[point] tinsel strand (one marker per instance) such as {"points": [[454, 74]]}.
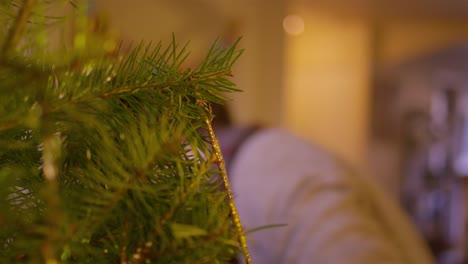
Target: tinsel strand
{"points": [[222, 168]]}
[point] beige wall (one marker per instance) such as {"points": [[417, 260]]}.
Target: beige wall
{"points": [[409, 38], [327, 84]]}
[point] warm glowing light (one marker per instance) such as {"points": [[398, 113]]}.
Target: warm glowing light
{"points": [[293, 25]]}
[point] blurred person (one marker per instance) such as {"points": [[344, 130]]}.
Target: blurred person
{"points": [[332, 214]]}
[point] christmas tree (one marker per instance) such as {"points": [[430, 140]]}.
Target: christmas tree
{"points": [[101, 159]]}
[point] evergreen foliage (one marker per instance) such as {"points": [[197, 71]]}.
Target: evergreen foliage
{"points": [[100, 158]]}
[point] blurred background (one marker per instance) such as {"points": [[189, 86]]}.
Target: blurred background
{"points": [[380, 83]]}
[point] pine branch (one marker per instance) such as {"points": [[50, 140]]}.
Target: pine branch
{"points": [[187, 80], [102, 156], [18, 27]]}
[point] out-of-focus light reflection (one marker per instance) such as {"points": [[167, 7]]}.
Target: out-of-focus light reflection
{"points": [[293, 25]]}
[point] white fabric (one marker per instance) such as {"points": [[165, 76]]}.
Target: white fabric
{"points": [[332, 215]]}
